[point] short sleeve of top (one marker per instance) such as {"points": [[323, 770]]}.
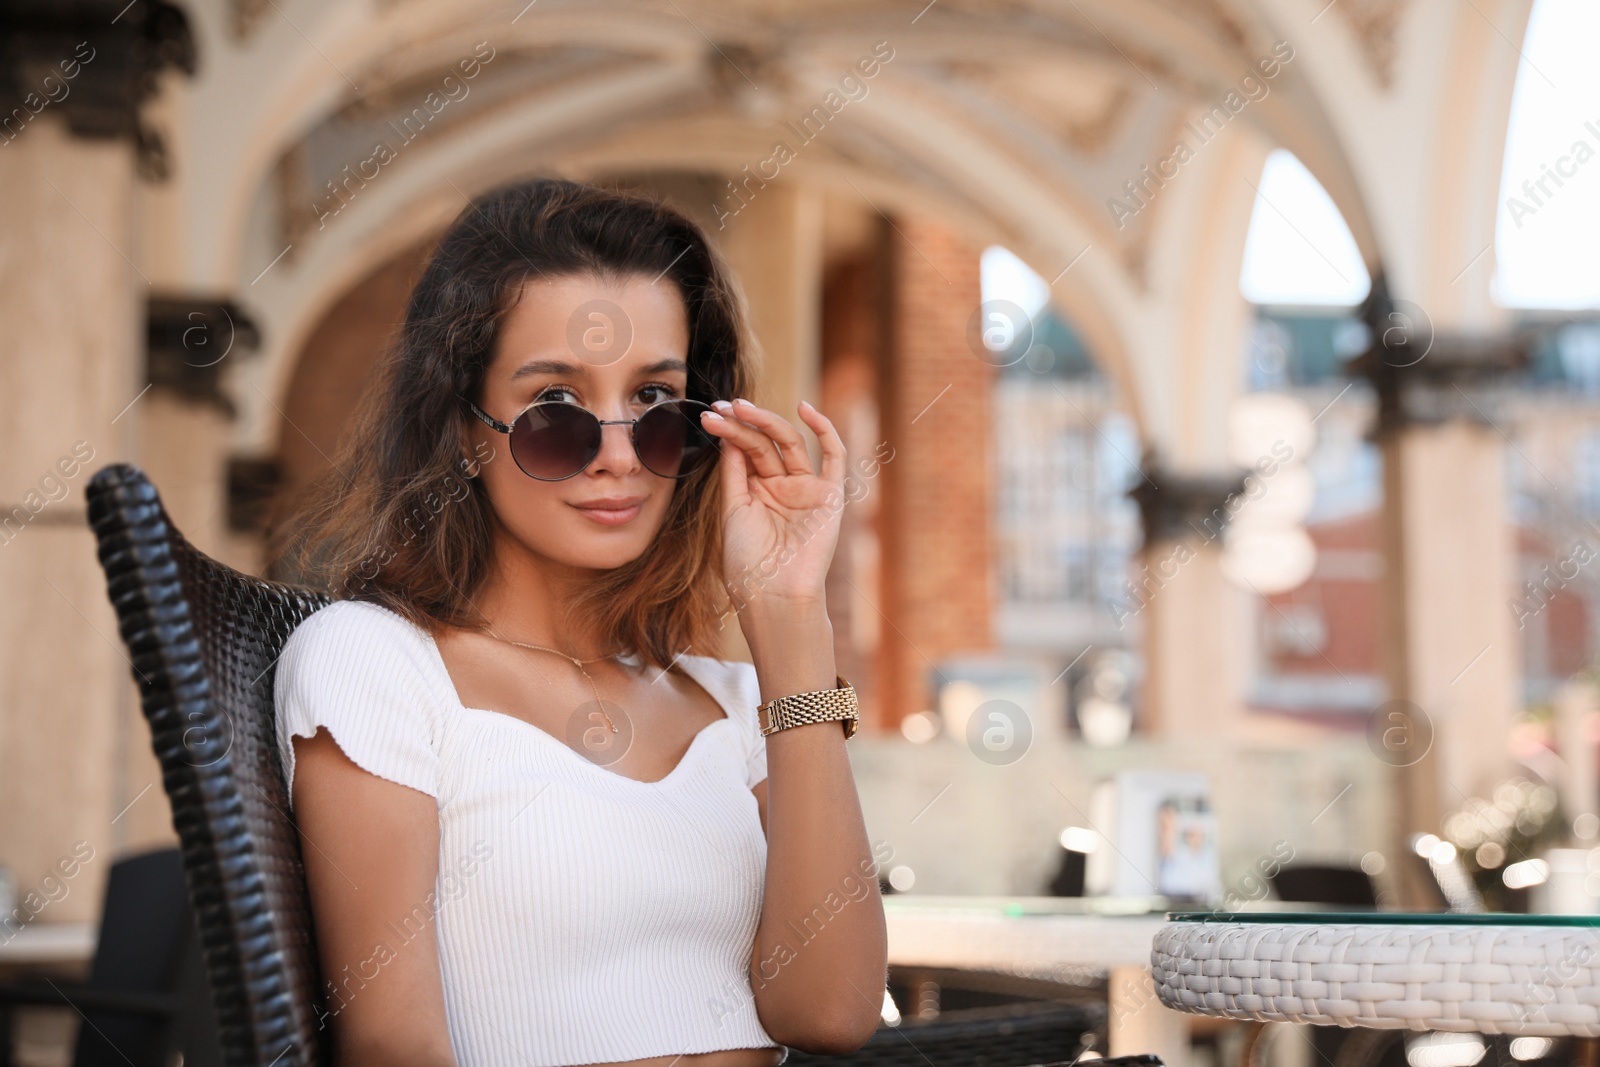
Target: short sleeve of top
{"points": [[364, 673], [747, 696]]}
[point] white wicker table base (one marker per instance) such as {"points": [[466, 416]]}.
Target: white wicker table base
{"points": [[1525, 980]]}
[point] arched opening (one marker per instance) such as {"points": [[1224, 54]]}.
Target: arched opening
{"points": [[332, 369], [1546, 229], [1299, 250], [1311, 646], [1549, 222]]}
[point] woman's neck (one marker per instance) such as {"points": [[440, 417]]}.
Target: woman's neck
{"points": [[525, 599]]}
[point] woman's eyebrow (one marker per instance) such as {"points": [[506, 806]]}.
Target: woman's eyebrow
{"points": [[577, 370]]}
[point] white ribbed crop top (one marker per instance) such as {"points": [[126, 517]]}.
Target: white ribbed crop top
{"points": [[582, 916]]}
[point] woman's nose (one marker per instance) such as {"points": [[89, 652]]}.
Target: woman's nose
{"points": [[617, 453]]}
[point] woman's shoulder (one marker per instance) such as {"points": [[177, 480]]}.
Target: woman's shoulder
{"points": [[356, 637], [373, 679], [355, 620]]}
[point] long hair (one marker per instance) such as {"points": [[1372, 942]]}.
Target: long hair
{"points": [[397, 521]]}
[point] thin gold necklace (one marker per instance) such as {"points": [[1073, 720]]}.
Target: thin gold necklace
{"points": [[578, 663]]}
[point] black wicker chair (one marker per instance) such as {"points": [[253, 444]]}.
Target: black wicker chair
{"points": [[1317, 883], [203, 640], [1000, 1036]]}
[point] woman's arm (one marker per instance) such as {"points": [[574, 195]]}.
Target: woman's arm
{"points": [[371, 850], [821, 953], [820, 959]]}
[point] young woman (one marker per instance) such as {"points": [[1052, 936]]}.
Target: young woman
{"points": [[541, 823]]}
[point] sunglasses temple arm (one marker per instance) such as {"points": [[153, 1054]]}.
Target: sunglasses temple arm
{"points": [[492, 422]]}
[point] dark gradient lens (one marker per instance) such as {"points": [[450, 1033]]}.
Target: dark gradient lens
{"points": [[671, 441], [553, 441]]}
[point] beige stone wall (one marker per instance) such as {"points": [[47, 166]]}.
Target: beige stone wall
{"points": [[964, 826]]}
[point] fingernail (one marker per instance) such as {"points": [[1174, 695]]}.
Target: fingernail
{"points": [[714, 415], [742, 400], [720, 404]]}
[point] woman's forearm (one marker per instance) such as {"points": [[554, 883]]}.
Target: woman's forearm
{"points": [[821, 946]]}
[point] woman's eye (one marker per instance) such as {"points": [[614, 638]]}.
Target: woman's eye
{"points": [[649, 394]]}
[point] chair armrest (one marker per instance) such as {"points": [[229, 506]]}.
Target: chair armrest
{"points": [[86, 998]]}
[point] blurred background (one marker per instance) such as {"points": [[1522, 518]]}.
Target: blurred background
{"points": [[1221, 380]]}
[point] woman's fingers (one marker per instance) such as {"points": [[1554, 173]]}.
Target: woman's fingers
{"points": [[773, 446], [734, 463], [746, 451], [788, 439], [833, 450]]}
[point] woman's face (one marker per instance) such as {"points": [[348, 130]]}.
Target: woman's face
{"points": [[616, 348]]}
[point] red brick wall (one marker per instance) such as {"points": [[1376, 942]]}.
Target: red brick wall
{"points": [[1348, 604], [937, 545]]}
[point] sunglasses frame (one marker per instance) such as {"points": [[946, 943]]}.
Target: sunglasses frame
{"points": [[507, 427]]}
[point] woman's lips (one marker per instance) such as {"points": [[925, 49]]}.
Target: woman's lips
{"points": [[611, 516]]}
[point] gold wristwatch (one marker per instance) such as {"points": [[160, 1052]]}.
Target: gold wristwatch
{"points": [[824, 705]]}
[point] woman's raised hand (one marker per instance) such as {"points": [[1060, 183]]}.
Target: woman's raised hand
{"points": [[780, 518]]}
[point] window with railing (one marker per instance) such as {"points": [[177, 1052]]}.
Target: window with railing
{"points": [[1066, 457]]}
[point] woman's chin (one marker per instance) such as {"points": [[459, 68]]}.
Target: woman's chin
{"points": [[605, 550]]}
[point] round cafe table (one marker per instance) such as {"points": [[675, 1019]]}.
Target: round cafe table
{"points": [[1520, 975]]}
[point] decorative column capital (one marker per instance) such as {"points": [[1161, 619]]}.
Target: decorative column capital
{"points": [[1425, 377], [1174, 505], [253, 483], [187, 338], [95, 62]]}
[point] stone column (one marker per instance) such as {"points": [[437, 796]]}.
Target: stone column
{"points": [[774, 245], [72, 382], [191, 341], [1452, 657], [937, 544], [854, 326], [1192, 617], [71, 378]]}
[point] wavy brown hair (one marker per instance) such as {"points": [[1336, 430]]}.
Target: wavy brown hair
{"points": [[395, 521]]}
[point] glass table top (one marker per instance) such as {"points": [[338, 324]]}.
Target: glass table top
{"points": [[1382, 918], [1165, 909]]}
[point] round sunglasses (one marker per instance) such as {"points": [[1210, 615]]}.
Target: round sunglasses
{"points": [[552, 440]]}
